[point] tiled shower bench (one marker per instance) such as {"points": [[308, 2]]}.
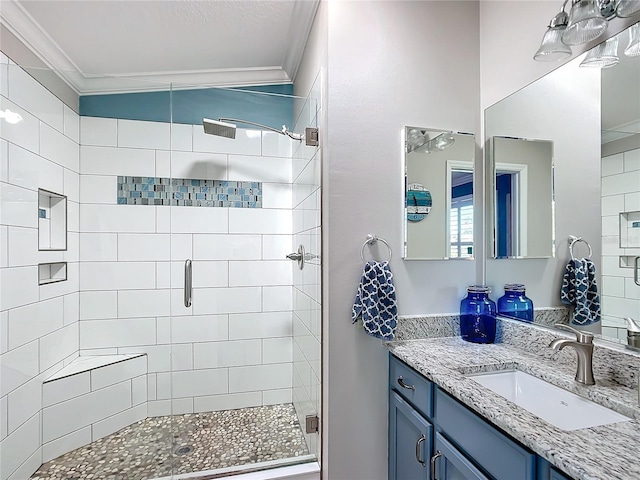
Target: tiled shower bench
{"points": [[90, 398]]}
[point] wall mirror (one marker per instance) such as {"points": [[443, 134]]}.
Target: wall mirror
{"points": [[522, 197], [438, 199], [589, 118]]}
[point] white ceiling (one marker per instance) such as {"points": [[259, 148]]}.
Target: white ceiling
{"points": [[128, 45]]}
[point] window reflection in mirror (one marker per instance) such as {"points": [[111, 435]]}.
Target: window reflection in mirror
{"points": [[522, 197], [461, 213], [438, 200]]}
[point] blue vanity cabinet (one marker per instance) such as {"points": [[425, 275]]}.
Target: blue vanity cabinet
{"points": [[450, 464], [460, 444], [556, 475], [410, 441], [485, 445], [410, 426]]}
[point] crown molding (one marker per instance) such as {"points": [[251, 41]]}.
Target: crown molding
{"points": [[162, 81], [26, 29], [304, 12]]}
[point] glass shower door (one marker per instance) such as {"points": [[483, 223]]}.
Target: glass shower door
{"points": [[232, 319], [307, 282]]}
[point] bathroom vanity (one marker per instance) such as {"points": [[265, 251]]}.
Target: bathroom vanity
{"points": [[445, 425], [452, 440]]}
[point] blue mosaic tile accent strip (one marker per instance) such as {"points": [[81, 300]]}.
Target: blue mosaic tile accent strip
{"points": [[188, 193]]}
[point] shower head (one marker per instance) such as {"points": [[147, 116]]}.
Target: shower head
{"points": [[221, 129]]}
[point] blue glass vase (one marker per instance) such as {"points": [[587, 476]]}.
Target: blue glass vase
{"points": [[478, 315], [515, 304]]}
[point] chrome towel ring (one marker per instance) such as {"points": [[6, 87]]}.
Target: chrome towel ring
{"points": [[372, 240], [573, 240]]}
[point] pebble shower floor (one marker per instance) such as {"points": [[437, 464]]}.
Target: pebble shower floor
{"points": [[178, 444]]}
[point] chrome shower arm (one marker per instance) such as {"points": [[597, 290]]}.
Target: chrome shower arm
{"points": [[284, 131]]}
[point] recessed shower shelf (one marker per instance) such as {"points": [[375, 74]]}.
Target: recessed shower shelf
{"points": [[52, 273], [52, 221], [630, 230]]}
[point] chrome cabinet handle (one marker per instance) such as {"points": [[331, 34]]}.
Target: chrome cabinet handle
{"points": [[433, 464], [404, 385], [188, 282], [636, 271], [420, 440]]}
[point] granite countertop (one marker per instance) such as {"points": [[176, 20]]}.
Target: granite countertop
{"points": [[596, 453]]}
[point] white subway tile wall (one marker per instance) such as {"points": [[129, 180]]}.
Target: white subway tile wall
{"points": [[620, 195], [132, 274], [235, 347], [39, 326]]}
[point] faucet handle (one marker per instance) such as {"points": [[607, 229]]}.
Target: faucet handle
{"points": [[581, 337]]}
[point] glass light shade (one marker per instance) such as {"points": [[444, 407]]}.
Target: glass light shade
{"points": [[415, 139], [585, 23], [633, 49], [443, 140], [552, 48], [604, 55], [627, 8]]}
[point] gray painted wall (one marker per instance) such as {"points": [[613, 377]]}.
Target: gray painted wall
{"points": [[383, 76]]}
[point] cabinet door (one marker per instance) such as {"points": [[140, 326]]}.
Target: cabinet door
{"points": [[410, 439], [451, 464], [557, 475]]}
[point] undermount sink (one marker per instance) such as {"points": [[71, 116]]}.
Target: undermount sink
{"points": [[563, 409]]}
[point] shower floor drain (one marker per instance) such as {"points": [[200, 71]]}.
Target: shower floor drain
{"points": [[184, 450]]}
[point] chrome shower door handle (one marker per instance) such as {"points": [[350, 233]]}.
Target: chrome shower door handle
{"points": [[188, 282], [636, 271]]}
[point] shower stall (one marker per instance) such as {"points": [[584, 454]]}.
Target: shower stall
{"points": [[151, 324]]}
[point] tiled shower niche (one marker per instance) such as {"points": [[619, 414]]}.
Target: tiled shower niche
{"points": [[189, 193], [52, 220]]}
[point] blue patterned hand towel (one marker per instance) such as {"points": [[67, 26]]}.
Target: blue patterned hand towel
{"points": [[376, 301], [580, 290]]}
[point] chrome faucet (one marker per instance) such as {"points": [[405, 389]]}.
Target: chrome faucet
{"points": [[583, 345]]}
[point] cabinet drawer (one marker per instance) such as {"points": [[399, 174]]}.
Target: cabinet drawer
{"points": [[417, 390], [497, 454]]}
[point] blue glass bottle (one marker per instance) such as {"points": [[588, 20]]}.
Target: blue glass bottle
{"points": [[515, 304], [478, 315]]}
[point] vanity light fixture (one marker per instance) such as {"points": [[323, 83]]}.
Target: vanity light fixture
{"points": [[416, 139], [552, 48], [586, 23], [587, 20], [604, 55], [633, 49], [442, 141], [627, 8]]}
